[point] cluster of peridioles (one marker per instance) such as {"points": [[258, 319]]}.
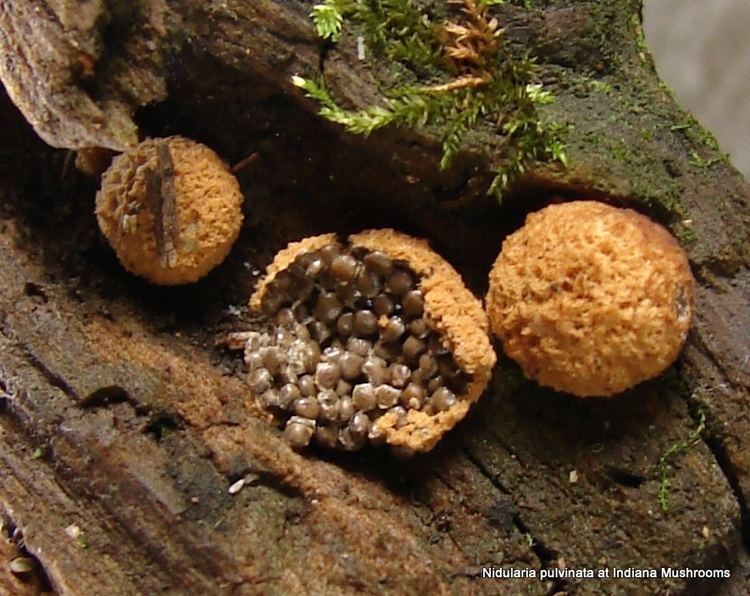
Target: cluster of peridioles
{"points": [[350, 343]]}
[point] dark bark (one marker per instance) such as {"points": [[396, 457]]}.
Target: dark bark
{"points": [[120, 418]]}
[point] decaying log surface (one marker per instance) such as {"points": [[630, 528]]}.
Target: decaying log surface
{"points": [[123, 427]]}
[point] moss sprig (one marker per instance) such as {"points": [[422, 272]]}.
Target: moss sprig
{"points": [[395, 28], [480, 85], [329, 18], [664, 465]]}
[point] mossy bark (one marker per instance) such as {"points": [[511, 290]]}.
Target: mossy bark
{"points": [[120, 418]]}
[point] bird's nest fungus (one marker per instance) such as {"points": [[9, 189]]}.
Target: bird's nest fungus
{"points": [[377, 341]]}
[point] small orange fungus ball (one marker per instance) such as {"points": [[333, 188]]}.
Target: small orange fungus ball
{"points": [[171, 209], [591, 299]]}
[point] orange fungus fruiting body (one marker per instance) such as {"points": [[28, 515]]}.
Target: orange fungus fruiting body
{"points": [[206, 201], [591, 299], [375, 341]]}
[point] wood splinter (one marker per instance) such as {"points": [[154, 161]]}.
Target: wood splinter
{"points": [[161, 195]]}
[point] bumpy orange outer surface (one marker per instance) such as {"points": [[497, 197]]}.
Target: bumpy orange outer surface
{"points": [[208, 203], [591, 299]]}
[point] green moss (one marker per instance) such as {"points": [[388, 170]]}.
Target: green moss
{"points": [[693, 130], [700, 162], [707, 138], [601, 86], [620, 151], [464, 80], [640, 38], [664, 465], [686, 235]]}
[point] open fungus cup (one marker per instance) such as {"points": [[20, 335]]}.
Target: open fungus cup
{"points": [[591, 299], [377, 341]]}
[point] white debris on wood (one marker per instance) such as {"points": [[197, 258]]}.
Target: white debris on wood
{"points": [[237, 486]]}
